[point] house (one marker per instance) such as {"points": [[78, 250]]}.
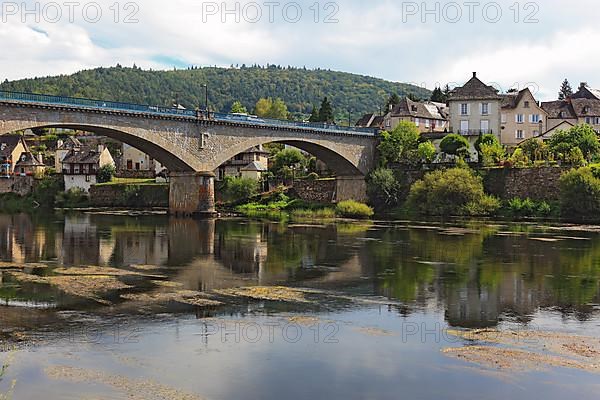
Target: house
{"points": [[14, 151], [427, 116], [370, 120], [521, 118], [138, 161], [29, 165], [254, 170], [81, 165], [63, 147], [563, 126], [245, 160], [475, 109], [582, 107]]}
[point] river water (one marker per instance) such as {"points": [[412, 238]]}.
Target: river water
{"points": [[396, 288]]}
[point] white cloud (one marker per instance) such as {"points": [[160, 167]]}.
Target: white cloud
{"points": [[370, 38]]}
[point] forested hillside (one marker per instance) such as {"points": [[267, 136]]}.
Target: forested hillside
{"points": [[299, 88]]}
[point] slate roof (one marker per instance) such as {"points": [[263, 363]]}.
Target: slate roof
{"points": [[554, 108], [409, 108], [29, 160], [85, 155], [474, 89], [8, 144], [365, 120], [254, 166], [586, 107], [71, 143]]}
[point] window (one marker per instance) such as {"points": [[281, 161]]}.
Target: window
{"points": [[503, 118], [588, 120], [597, 120], [526, 105], [464, 109], [88, 178], [427, 123], [485, 108], [388, 123], [520, 118], [534, 118], [519, 134], [417, 121], [485, 126], [464, 126]]}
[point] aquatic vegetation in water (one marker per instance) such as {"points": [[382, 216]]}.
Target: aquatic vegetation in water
{"points": [[527, 350], [188, 297], [273, 293], [135, 389]]}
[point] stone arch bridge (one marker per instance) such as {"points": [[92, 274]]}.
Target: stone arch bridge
{"points": [[192, 144]]}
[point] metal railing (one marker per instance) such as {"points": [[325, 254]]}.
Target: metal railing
{"points": [[173, 111]]}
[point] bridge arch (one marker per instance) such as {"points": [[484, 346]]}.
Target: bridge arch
{"points": [[156, 147], [336, 161]]}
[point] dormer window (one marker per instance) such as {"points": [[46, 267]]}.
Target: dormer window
{"points": [[586, 109], [526, 104]]}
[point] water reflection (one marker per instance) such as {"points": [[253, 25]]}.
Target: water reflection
{"points": [[476, 275]]}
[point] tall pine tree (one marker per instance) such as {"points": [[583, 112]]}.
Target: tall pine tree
{"points": [[326, 112], [438, 96], [565, 90], [393, 101]]}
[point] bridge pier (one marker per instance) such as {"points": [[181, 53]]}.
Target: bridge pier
{"points": [[192, 194], [350, 188]]}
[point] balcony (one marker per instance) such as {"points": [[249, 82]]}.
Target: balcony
{"points": [[474, 132]]}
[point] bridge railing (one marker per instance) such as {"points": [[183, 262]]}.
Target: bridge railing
{"points": [[172, 111]]}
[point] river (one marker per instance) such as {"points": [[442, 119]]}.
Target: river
{"points": [[380, 302]]}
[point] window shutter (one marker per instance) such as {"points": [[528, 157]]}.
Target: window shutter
{"points": [[468, 109]]}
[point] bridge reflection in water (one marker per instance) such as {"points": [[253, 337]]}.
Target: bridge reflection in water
{"points": [[476, 277]]}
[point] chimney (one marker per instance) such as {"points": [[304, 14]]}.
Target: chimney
{"points": [[40, 158], [474, 74]]}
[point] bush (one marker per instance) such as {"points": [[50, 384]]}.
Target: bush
{"points": [[455, 145], [72, 198], [491, 154], [580, 193], [354, 209], [106, 173], [427, 152], [457, 191], [535, 149], [519, 159], [239, 190], [581, 136], [383, 187]]}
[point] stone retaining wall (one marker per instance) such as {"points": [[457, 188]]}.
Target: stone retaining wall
{"points": [[21, 185], [534, 183], [319, 191], [138, 196]]}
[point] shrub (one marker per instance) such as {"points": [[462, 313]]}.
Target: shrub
{"points": [[72, 198], [488, 140], [426, 152], [580, 193], [491, 154], [455, 145], [383, 187], [519, 159], [576, 158], [238, 190], [456, 191], [535, 149], [106, 173], [354, 209], [581, 136]]}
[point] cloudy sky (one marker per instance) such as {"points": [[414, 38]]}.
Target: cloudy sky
{"points": [[509, 44]]}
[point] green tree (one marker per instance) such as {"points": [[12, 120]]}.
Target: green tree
{"points": [[490, 150], [106, 173], [438, 96], [455, 145], [326, 112], [239, 190], [263, 107], [392, 101], [278, 109], [582, 136], [536, 149], [314, 115], [427, 152], [580, 193], [238, 108], [401, 144], [383, 187], [565, 90], [287, 162]]}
